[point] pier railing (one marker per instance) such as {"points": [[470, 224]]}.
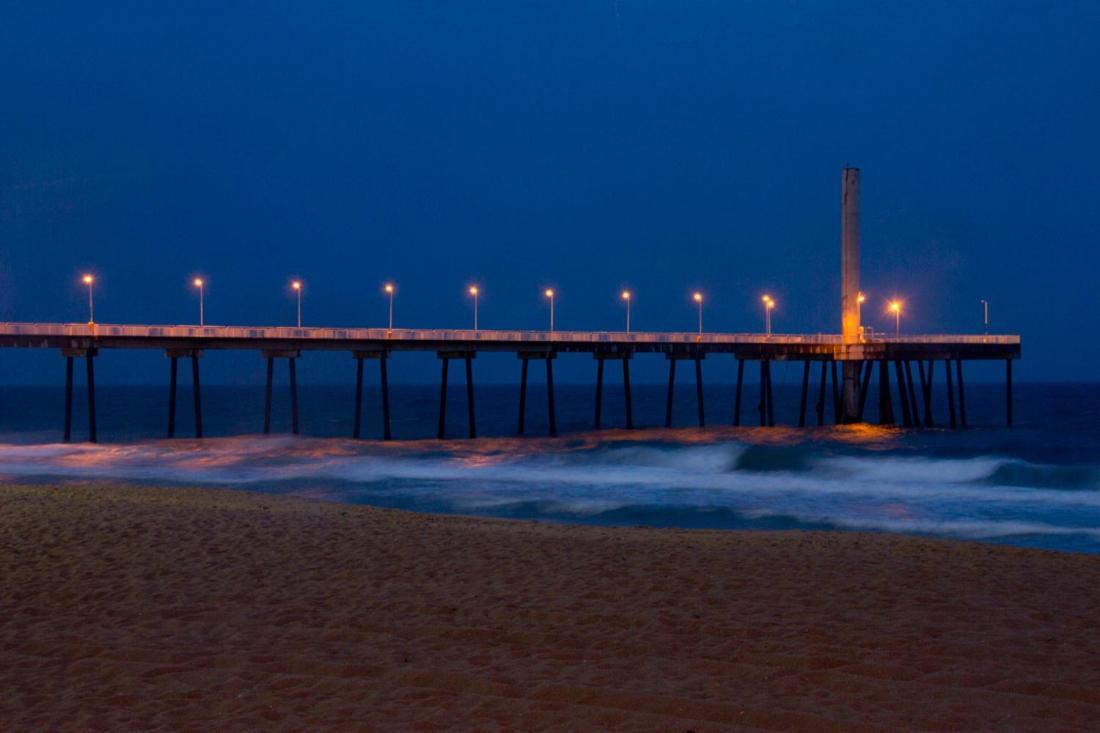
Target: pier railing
{"points": [[486, 336]]}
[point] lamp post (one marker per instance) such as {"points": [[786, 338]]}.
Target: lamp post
{"points": [[626, 299], [550, 294], [985, 315], [474, 292], [895, 308], [768, 305], [388, 288], [860, 298], [297, 286], [89, 280], [698, 298], [202, 316]]}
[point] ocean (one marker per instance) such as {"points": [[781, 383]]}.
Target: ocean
{"points": [[1035, 485]]}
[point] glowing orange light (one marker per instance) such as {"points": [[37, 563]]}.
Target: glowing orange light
{"points": [[88, 279], [388, 287], [697, 297], [473, 290], [895, 306], [768, 302], [198, 282], [861, 298], [297, 285], [626, 295], [549, 293]]}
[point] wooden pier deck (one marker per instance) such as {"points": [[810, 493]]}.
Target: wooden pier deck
{"points": [[274, 342]]}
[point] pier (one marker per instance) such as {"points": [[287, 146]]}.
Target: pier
{"points": [[824, 359], [843, 364]]}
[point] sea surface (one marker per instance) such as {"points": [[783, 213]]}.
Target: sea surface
{"points": [[1037, 484]]}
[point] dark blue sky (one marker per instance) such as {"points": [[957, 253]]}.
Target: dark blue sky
{"points": [[590, 145]]}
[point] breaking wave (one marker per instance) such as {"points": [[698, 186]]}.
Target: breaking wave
{"points": [[658, 481]]}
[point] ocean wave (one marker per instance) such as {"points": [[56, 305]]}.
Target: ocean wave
{"points": [[726, 483]]}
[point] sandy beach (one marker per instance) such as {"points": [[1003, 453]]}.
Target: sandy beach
{"points": [[195, 609]]}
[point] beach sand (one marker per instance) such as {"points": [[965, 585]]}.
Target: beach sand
{"points": [[139, 608]]}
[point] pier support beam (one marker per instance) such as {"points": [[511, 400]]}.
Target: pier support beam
{"points": [[912, 393], [821, 395], [805, 391], [737, 391], [291, 356], [671, 387], [962, 393], [950, 393], [906, 415], [551, 416], [89, 355], [600, 358], [838, 416], [292, 364], [467, 357], [926, 390], [382, 357], [865, 382], [1008, 392], [174, 355], [89, 362], [885, 403], [699, 390], [697, 357], [68, 398]]}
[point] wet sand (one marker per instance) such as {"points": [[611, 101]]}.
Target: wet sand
{"points": [[142, 608]]}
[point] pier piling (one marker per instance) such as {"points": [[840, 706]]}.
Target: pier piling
{"points": [[551, 416], [196, 393], [903, 398], [470, 421], [292, 363], [267, 394], [671, 387], [384, 385], [962, 393], [626, 393], [737, 392], [885, 401], [523, 395], [867, 371], [805, 389], [68, 398], [172, 372], [950, 393], [821, 396], [355, 432], [89, 360], [599, 390], [699, 390]]}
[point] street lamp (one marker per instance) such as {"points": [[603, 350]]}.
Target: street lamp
{"points": [[474, 292], [202, 316], [88, 280], [550, 294], [768, 305], [626, 298], [698, 298], [297, 286], [985, 315], [895, 308], [389, 289]]}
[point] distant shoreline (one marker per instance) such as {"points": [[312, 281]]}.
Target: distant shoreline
{"points": [[131, 607]]}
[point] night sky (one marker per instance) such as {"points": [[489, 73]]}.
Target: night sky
{"points": [[662, 146]]}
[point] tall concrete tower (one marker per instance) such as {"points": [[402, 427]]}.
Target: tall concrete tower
{"points": [[849, 288]]}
